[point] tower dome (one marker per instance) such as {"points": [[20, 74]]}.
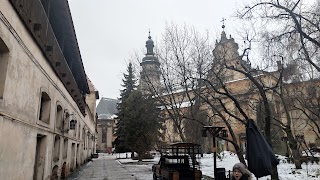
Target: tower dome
{"points": [[149, 45], [149, 41], [150, 74]]}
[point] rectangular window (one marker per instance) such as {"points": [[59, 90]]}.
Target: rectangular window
{"points": [[83, 138], [79, 129], [59, 117], [104, 135], [56, 149], [4, 58], [65, 148]]}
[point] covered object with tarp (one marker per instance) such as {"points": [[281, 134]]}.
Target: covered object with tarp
{"points": [[261, 159]]}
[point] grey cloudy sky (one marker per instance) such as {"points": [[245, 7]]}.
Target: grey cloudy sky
{"points": [[109, 31]]}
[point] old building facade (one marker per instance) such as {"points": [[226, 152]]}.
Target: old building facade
{"points": [[106, 124], [47, 104], [242, 88]]}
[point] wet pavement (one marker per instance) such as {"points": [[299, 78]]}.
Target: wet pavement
{"points": [[103, 168], [108, 167]]}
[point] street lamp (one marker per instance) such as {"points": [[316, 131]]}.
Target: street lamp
{"points": [[214, 131]]}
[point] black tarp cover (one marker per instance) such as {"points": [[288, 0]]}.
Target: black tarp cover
{"points": [[260, 156]]}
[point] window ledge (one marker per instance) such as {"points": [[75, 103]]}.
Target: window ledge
{"points": [[41, 123]]}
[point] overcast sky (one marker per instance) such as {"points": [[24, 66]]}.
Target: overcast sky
{"points": [[109, 31]]}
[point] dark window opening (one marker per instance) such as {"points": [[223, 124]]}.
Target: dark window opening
{"points": [[45, 108], [56, 149], [4, 58], [104, 135], [65, 148], [59, 117]]}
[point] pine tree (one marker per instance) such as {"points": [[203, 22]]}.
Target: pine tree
{"points": [[141, 123], [129, 84]]}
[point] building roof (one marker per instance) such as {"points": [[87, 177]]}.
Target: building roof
{"points": [[107, 108], [57, 40]]}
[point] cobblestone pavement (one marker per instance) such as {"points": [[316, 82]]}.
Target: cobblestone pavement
{"points": [[102, 168]]}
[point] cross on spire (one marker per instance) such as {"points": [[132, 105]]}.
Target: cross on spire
{"points": [[223, 20]]}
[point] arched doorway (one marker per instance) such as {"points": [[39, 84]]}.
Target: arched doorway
{"points": [[54, 174], [63, 171]]}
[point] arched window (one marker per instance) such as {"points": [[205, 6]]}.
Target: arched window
{"points": [[59, 117], [65, 121], [54, 175], [45, 105], [63, 170]]}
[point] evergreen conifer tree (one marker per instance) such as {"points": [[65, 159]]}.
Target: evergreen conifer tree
{"points": [[141, 122], [129, 84]]}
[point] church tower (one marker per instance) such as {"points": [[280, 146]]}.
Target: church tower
{"points": [[226, 54], [150, 74]]}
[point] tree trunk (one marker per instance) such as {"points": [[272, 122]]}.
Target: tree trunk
{"points": [[292, 142], [274, 175], [239, 154], [181, 134], [139, 157], [297, 161], [295, 151]]}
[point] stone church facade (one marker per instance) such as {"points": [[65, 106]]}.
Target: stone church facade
{"points": [[47, 103], [106, 124], [226, 50]]}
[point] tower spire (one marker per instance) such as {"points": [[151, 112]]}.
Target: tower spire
{"points": [[223, 26], [149, 45], [150, 70], [223, 33]]}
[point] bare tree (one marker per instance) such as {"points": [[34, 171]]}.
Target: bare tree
{"points": [[289, 29], [182, 52], [305, 101], [210, 87], [284, 23]]}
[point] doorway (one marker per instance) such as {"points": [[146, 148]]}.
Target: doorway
{"points": [[40, 157]]}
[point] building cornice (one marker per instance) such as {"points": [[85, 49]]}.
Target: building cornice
{"points": [[66, 64]]}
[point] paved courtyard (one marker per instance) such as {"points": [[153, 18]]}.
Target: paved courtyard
{"points": [[107, 167]]}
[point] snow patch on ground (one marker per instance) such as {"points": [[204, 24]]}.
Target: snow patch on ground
{"points": [[226, 160]]}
